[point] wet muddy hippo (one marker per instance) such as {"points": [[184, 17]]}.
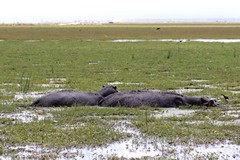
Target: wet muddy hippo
{"points": [[72, 97], [153, 98]]}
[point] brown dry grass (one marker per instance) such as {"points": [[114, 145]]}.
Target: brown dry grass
{"points": [[119, 31]]}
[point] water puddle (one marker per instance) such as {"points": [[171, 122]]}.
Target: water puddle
{"points": [[10, 84], [127, 83], [216, 40], [187, 90], [54, 82], [235, 92], [130, 149], [177, 40], [57, 80], [136, 146], [209, 86], [34, 40], [26, 116], [232, 122], [176, 112], [198, 80], [218, 123], [51, 85], [28, 95], [94, 63]]}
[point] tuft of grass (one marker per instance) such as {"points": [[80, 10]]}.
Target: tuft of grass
{"points": [[24, 84]]}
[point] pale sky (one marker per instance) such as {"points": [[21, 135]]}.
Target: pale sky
{"points": [[12, 11]]}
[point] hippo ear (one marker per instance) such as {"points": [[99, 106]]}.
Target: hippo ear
{"points": [[114, 87]]}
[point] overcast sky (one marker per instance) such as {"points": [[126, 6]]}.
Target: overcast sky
{"points": [[115, 10]]}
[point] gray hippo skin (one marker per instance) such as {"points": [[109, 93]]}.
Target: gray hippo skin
{"points": [[72, 97], [154, 99]]}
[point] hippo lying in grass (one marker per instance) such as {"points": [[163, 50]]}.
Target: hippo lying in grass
{"points": [[72, 97], [154, 99]]}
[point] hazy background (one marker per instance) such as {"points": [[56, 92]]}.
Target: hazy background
{"points": [[43, 11]]}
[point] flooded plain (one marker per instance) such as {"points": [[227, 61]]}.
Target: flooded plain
{"points": [[138, 145]]}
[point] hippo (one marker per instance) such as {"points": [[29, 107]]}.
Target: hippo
{"points": [[73, 97], [151, 98]]}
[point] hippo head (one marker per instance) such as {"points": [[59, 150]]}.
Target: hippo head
{"points": [[209, 102], [107, 90]]}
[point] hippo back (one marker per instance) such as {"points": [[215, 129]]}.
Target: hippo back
{"points": [[67, 98], [138, 98], [73, 97]]}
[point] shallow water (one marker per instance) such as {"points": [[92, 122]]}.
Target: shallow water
{"points": [[137, 146], [170, 112], [235, 92], [177, 40], [184, 90], [198, 80], [208, 86], [130, 149], [26, 116], [126, 83], [28, 95], [216, 40]]}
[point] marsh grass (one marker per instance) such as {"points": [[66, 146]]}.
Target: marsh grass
{"points": [[50, 134], [178, 130], [70, 127], [25, 83]]}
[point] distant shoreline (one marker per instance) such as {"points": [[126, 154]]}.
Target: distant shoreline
{"points": [[127, 21]]}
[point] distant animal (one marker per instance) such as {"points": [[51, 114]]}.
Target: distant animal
{"points": [[138, 98], [158, 28], [225, 97], [73, 97]]}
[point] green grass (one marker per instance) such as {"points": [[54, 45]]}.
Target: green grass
{"points": [[146, 62]]}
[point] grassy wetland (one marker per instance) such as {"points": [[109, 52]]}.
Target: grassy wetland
{"points": [[37, 59]]}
